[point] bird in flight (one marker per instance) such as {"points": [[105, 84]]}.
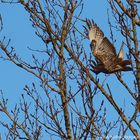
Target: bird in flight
{"points": [[107, 60]]}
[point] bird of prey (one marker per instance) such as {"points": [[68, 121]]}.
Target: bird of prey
{"points": [[107, 60]]}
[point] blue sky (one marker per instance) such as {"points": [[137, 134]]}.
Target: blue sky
{"points": [[17, 27]]}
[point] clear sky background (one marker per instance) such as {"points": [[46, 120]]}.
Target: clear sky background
{"points": [[17, 27]]}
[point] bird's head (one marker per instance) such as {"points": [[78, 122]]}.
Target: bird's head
{"points": [[92, 44]]}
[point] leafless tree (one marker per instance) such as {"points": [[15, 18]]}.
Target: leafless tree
{"points": [[64, 105]]}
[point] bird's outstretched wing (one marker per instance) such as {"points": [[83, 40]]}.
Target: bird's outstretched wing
{"points": [[102, 48]]}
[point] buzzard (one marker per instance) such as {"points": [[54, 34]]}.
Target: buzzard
{"points": [[107, 60]]}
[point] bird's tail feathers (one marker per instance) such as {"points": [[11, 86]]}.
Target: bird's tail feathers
{"points": [[125, 62]]}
